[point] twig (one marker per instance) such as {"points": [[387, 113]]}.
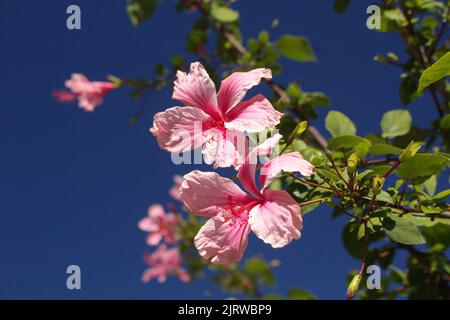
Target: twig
{"points": [[311, 183], [306, 203], [394, 166]]}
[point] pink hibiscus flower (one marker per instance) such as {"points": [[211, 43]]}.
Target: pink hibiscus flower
{"points": [[216, 122], [164, 262], [88, 93], [175, 190], [273, 215], [159, 225]]}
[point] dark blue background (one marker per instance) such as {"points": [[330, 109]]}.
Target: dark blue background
{"points": [[74, 184]]}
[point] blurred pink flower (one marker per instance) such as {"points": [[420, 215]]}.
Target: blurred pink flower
{"points": [[175, 190], [216, 122], [273, 215], [164, 262], [88, 93], [159, 225]]}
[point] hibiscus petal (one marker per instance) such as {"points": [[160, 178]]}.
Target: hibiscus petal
{"points": [[78, 83], [278, 220], [224, 150], [179, 129], [150, 273], [183, 275], [234, 87], [223, 239], [196, 89], [154, 238], [207, 193], [253, 115], [89, 101], [147, 224], [156, 211], [247, 171], [289, 162]]}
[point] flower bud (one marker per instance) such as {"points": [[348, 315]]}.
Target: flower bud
{"points": [[410, 150], [300, 128], [377, 184], [353, 286], [329, 202], [352, 162], [329, 154], [116, 81]]}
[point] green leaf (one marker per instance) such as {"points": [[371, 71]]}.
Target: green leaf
{"points": [[140, 10], [351, 242], [273, 296], [421, 165], [260, 268], [223, 13], [340, 6], [445, 122], [435, 72], [383, 148], [439, 233], [328, 173], [347, 142], [382, 196], [298, 294], [402, 231], [430, 185], [296, 48], [314, 99], [442, 195], [338, 124], [396, 123], [313, 155], [385, 197]]}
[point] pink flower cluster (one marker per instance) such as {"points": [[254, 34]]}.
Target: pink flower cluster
{"points": [[273, 215], [88, 93], [163, 262]]}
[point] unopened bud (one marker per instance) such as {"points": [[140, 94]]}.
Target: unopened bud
{"points": [[300, 128], [353, 286], [352, 162], [275, 23], [410, 150], [377, 184], [329, 154], [329, 202], [116, 81]]}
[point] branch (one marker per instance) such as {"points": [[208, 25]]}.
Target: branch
{"points": [[311, 183], [318, 137]]}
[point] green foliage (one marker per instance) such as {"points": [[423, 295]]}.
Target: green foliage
{"points": [[435, 72], [296, 48], [223, 13], [340, 6], [299, 294], [338, 124], [396, 123], [422, 166], [402, 231], [141, 10], [350, 142], [383, 148], [445, 122]]}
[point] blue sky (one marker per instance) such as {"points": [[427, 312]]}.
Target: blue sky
{"points": [[73, 184]]}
